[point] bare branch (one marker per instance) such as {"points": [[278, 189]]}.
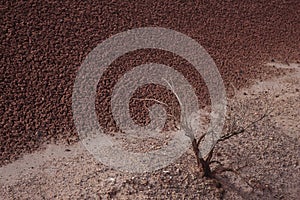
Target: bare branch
{"points": [[200, 139], [232, 132], [227, 136], [150, 99], [209, 157], [173, 90]]}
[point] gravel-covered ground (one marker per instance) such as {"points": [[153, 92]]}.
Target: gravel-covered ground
{"points": [[267, 158], [43, 44]]}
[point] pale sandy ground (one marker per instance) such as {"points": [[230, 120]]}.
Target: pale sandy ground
{"points": [[268, 158]]}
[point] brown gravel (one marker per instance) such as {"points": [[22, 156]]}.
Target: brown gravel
{"points": [[267, 158], [43, 45]]}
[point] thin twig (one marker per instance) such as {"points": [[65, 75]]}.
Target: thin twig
{"points": [[244, 129], [150, 99], [173, 90]]}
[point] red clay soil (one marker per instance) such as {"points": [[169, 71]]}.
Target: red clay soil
{"points": [[44, 43]]}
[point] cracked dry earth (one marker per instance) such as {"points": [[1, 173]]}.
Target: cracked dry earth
{"points": [[267, 158]]}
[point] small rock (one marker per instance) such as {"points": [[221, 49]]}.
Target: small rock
{"points": [[111, 179]]}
